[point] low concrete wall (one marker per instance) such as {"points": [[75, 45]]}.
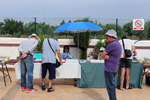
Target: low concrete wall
{"points": [[143, 49], [9, 47]]}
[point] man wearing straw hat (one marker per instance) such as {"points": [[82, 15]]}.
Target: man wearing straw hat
{"points": [[26, 50]]}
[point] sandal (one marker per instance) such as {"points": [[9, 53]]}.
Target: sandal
{"points": [[118, 87], [43, 87], [50, 89], [130, 87]]}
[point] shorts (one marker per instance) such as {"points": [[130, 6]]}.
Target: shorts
{"points": [[125, 63], [51, 68]]}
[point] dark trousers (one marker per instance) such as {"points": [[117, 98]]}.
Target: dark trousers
{"points": [[110, 85]]}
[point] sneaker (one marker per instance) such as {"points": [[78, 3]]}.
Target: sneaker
{"points": [[43, 87], [23, 88], [31, 90]]}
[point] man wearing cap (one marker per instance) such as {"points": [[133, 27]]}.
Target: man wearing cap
{"points": [[111, 55], [26, 50]]}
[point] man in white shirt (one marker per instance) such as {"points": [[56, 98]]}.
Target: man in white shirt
{"points": [[26, 50], [125, 62]]}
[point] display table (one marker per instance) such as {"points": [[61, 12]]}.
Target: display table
{"points": [[92, 75], [67, 70]]}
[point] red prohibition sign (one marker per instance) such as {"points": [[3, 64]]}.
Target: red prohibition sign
{"points": [[138, 23]]}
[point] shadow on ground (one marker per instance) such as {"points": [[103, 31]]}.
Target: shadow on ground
{"points": [[93, 94]]}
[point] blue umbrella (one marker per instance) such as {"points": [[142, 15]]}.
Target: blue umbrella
{"points": [[77, 27]]}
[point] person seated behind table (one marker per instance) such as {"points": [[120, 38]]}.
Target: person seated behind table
{"points": [[66, 53]]}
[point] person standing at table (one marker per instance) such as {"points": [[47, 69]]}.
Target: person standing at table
{"points": [[125, 62], [66, 53], [26, 50], [49, 61], [111, 55]]}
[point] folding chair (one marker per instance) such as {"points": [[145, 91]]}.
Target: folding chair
{"points": [[5, 74]]}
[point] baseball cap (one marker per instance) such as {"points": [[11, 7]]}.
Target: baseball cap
{"points": [[111, 33]]}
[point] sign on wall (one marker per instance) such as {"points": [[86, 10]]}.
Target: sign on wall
{"points": [[138, 24]]}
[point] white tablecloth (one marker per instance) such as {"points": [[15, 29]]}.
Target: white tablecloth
{"points": [[67, 70]]}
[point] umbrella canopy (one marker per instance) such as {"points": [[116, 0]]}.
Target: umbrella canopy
{"points": [[77, 27]]}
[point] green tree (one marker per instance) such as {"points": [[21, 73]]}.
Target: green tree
{"points": [[39, 46], [63, 22], [83, 41], [127, 28], [1, 27], [12, 26], [148, 33], [147, 30], [69, 21], [30, 28], [84, 20], [110, 27]]}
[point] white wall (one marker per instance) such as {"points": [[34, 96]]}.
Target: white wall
{"points": [[142, 53], [12, 51]]}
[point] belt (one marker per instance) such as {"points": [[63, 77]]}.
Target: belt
{"points": [[30, 55]]}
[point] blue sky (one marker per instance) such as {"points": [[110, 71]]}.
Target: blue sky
{"points": [[76, 8]]}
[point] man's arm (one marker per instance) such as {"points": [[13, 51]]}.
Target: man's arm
{"points": [[59, 56], [23, 54], [21, 51], [104, 55]]}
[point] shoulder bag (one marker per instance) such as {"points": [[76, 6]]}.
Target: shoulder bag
{"points": [[126, 51]]}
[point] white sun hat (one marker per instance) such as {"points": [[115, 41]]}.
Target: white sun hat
{"points": [[111, 33], [34, 35]]}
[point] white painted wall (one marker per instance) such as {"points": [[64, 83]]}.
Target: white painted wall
{"points": [[142, 53], [13, 51]]}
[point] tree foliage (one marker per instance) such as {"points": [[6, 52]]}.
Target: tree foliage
{"points": [[11, 26], [14, 28], [128, 29], [1, 27], [83, 41], [39, 46]]}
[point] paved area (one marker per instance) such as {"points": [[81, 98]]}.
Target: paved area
{"points": [[65, 90]]}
